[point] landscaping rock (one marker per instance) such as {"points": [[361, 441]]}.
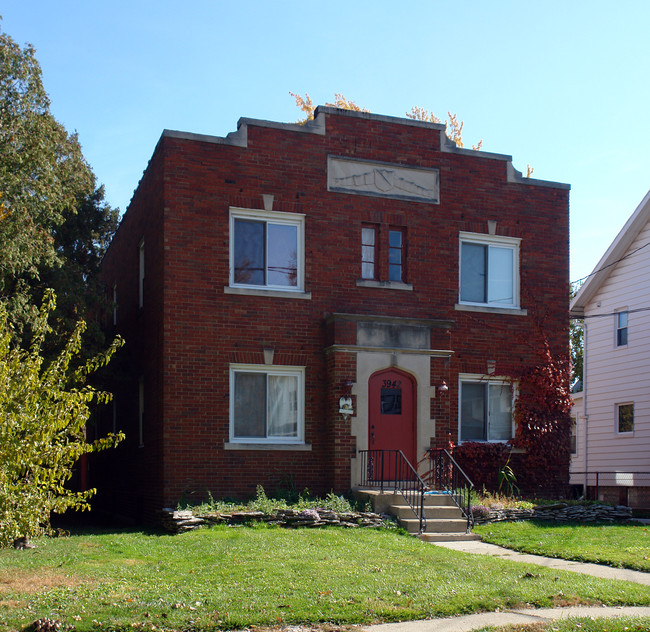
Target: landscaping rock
{"points": [[558, 512], [179, 521]]}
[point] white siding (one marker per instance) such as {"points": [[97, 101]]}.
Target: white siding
{"points": [[615, 375]]}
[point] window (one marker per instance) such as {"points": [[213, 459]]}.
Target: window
{"points": [[266, 404], [574, 436], [379, 269], [485, 410], [621, 329], [141, 274], [368, 251], [625, 417], [395, 255], [266, 250], [489, 270]]}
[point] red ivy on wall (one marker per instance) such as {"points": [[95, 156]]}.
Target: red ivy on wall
{"points": [[540, 451]]}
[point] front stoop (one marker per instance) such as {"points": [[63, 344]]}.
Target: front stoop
{"points": [[445, 522]]}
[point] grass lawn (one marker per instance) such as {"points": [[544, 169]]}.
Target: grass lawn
{"points": [[228, 578], [624, 624], [622, 546]]}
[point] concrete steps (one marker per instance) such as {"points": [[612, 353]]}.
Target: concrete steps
{"points": [[445, 521]]}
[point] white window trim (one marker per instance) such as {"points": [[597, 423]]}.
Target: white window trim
{"points": [[274, 217], [477, 378], [513, 243], [625, 433], [293, 371]]}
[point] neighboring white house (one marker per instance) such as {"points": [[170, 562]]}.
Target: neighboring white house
{"points": [[612, 458]]}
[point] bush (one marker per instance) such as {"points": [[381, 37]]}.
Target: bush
{"points": [[43, 414]]}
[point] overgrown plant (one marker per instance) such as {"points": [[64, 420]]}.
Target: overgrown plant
{"points": [[43, 414]]}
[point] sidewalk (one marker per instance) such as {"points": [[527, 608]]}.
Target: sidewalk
{"points": [[475, 621]]}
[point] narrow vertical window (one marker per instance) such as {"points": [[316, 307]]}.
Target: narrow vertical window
{"points": [[625, 417], [141, 274], [368, 252], [396, 255], [621, 329], [141, 412]]}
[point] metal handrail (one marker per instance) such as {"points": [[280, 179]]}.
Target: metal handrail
{"points": [[388, 469], [446, 475]]}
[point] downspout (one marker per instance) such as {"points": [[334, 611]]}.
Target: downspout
{"points": [[584, 400]]}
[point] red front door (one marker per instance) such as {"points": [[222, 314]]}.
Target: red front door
{"points": [[391, 415]]}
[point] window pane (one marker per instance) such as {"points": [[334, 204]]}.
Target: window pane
{"points": [[249, 252], [500, 284], [367, 270], [500, 412], [368, 236], [472, 412], [621, 329], [250, 405], [283, 255], [395, 238], [283, 406], [395, 255], [394, 272], [472, 275], [391, 401], [626, 418]]}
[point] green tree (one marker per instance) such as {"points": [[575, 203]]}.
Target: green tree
{"points": [[576, 341], [44, 408], [44, 184]]}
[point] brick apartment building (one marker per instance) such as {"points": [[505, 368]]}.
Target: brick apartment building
{"points": [[261, 277]]}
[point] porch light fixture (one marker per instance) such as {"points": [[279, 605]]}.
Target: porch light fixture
{"points": [[442, 388]]}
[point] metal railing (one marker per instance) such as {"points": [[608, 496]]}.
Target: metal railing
{"points": [[446, 475], [391, 470], [592, 482]]}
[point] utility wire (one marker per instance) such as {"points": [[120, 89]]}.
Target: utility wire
{"points": [[609, 265]]}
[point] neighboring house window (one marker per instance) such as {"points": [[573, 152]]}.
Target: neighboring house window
{"points": [[625, 417], [574, 436], [141, 412], [266, 249], [489, 270], [267, 404], [368, 252], [621, 329], [141, 274], [396, 257], [485, 410]]}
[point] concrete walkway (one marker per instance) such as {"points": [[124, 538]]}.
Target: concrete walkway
{"points": [[476, 621]]}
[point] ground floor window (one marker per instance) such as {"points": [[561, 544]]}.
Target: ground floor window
{"points": [[485, 410], [266, 404]]}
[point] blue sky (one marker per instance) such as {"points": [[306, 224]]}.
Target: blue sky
{"points": [[561, 85]]}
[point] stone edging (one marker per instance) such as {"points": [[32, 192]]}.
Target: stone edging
{"points": [[180, 521], [560, 512]]}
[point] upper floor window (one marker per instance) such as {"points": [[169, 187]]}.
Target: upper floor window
{"points": [[489, 270], [396, 255], [266, 249], [625, 417], [383, 256], [267, 404], [368, 252], [621, 329], [485, 410]]}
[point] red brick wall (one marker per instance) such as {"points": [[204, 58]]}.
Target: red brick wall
{"points": [[189, 330]]}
